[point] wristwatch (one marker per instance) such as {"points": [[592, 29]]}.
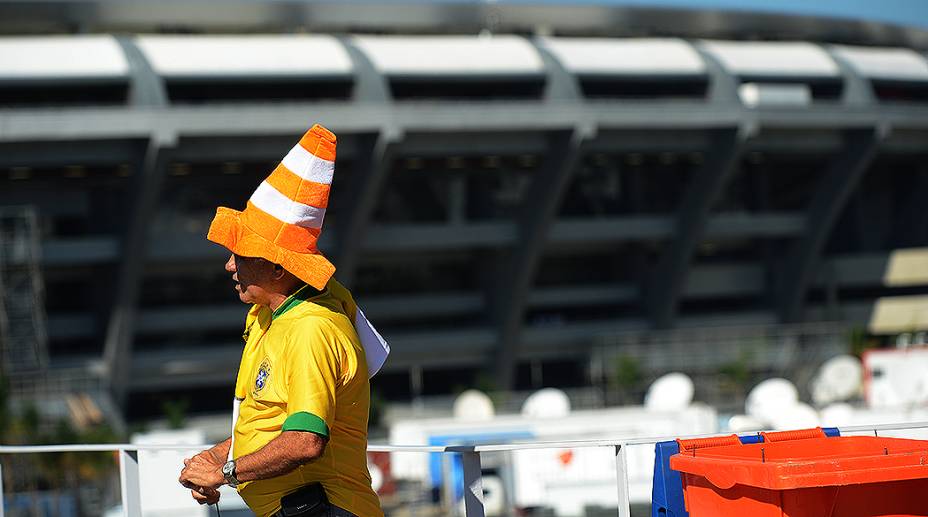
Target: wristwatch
{"points": [[228, 472]]}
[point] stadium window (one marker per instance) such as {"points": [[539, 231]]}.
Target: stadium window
{"points": [[720, 251], [63, 93], [416, 196], [450, 380], [259, 89], [498, 195], [188, 283], [455, 189], [71, 201], [774, 182], [657, 88], [560, 373], [75, 347], [593, 286], [422, 273], [900, 91], [661, 187], [886, 211], [467, 88], [595, 189], [722, 305], [193, 190]]}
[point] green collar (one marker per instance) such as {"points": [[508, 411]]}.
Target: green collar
{"points": [[301, 295]]}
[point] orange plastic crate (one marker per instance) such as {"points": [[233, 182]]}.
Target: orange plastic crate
{"points": [[795, 475]]}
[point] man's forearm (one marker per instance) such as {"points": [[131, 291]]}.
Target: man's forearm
{"points": [[281, 455], [220, 451], [204, 470]]}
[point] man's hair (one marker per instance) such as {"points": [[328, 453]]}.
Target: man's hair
{"points": [[261, 259]]}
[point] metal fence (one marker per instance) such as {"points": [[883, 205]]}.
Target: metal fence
{"points": [[471, 460], [776, 348], [725, 361]]}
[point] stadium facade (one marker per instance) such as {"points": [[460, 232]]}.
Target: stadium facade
{"points": [[515, 183]]}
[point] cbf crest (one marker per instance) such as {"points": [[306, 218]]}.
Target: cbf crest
{"points": [[263, 377]]}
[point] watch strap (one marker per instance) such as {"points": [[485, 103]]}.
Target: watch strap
{"points": [[228, 472]]}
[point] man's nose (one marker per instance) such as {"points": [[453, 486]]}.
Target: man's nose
{"points": [[230, 264]]}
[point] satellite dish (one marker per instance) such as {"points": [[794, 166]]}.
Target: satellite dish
{"points": [[546, 403], [839, 379], [798, 416], [745, 423], [837, 415], [768, 399], [671, 392], [473, 405]]}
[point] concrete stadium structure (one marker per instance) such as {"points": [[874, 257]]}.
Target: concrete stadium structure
{"points": [[502, 198]]}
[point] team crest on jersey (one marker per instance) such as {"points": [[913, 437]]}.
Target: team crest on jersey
{"points": [[263, 378]]}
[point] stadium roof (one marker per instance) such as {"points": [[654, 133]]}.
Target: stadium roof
{"points": [[889, 22], [901, 12]]}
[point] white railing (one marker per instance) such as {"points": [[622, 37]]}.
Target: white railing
{"points": [[473, 485]]}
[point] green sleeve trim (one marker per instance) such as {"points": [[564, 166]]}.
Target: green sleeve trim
{"points": [[305, 421]]}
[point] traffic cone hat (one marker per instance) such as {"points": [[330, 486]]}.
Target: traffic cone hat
{"points": [[283, 218]]}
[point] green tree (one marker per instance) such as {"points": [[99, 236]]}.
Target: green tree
{"points": [[176, 412], [627, 377], [51, 471], [859, 341], [5, 415], [735, 375]]}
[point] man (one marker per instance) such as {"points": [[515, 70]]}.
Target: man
{"points": [[302, 394]]}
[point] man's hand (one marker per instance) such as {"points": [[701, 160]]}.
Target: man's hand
{"points": [[205, 495], [202, 471], [210, 455]]}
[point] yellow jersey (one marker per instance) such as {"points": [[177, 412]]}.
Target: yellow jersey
{"points": [[303, 369]]}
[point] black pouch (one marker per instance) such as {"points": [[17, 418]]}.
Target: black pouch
{"points": [[308, 501]]}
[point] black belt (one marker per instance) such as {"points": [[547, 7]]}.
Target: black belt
{"points": [[332, 511]]}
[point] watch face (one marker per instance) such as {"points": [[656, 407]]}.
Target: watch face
{"points": [[228, 471]]}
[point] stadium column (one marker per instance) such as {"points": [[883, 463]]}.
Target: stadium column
{"points": [[726, 145], [375, 153], [359, 200], [796, 272], [146, 90], [666, 286], [147, 179], [538, 214], [835, 188]]}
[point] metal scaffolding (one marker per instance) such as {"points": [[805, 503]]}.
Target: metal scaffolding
{"points": [[22, 304]]}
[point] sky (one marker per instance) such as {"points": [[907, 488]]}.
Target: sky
{"points": [[902, 12]]}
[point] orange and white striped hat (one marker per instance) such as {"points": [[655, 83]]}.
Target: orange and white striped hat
{"points": [[283, 219]]}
